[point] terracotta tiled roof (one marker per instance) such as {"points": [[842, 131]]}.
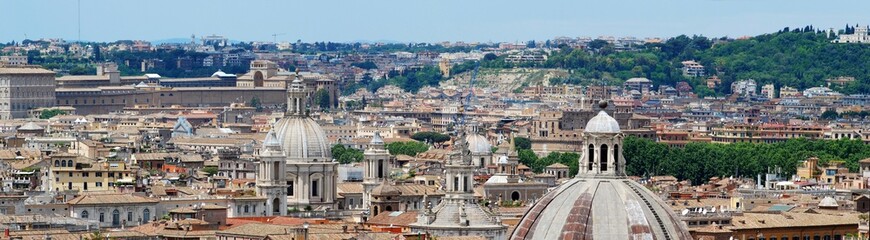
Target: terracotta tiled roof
{"points": [[350, 187], [791, 219], [258, 229], [110, 199], [394, 218]]}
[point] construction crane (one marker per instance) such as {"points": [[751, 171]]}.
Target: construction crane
{"points": [[275, 37]]}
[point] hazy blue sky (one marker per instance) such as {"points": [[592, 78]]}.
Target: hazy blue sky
{"points": [[416, 20]]}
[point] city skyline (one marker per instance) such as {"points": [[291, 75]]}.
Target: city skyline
{"points": [[508, 21]]}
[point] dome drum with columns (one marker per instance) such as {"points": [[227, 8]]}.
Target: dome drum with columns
{"points": [[600, 203], [307, 174]]}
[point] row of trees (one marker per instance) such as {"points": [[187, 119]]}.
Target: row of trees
{"points": [[407, 148], [700, 161], [431, 137], [346, 155]]}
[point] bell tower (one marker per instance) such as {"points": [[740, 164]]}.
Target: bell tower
{"points": [[376, 166], [459, 170], [271, 174]]}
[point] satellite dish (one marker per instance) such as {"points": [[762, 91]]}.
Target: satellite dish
{"points": [[712, 210], [685, 211], [704, 211]]}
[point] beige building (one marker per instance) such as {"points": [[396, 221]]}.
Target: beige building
{"points": [[23, 88], [113, 210], [266, 74], [72, 172], [13, 60]]}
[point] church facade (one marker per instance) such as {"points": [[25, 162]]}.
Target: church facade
{"points": [[296, 169]]}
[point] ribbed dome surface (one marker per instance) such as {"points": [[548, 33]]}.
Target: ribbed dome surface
{"points": [[602, 123], [478, 144], [591, 208], [302, 138]]}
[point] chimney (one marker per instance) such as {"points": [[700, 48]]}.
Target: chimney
{"points": [[344, 228], [6, 233]]}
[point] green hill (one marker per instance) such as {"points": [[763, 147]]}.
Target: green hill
{"points": [[799, 58]]}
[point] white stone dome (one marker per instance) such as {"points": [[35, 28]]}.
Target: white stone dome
{"points": [[828, 202], [302, 138], [602, 123], [478, 144]]}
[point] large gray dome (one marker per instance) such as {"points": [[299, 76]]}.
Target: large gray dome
{"points": [[302, 138], [602, 123], [592, 208], [478, 144]]}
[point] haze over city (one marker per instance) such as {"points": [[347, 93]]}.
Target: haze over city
{"points": [[417, 21]]}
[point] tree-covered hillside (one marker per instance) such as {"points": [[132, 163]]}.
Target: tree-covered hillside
{"points": [[802, 58]]}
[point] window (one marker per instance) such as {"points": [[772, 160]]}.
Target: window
{"points": [[99, 174], [289, 188], [85, 174], [98, 184], [102, 217], [591, 157], [314, 188], [111, 174], [85, 214], [246, 208], [116, 218], [146, 215], [129, 216], [603, 157]]}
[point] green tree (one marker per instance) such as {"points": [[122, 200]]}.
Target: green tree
{"points": [[321, 99], [51, 113], [406, 148], [83, 70], [597, 44], [431, 137], [522, 143], [346, 155], [256, 103], [210, 170], [367, 65], [830, 114]]}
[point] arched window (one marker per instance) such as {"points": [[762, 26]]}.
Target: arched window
{"points": [[276, 206], [85, 214], [515, 196], [591, 157], [616, 157], [116, 218], [380, 168], [603, 157], [56, 163]]}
